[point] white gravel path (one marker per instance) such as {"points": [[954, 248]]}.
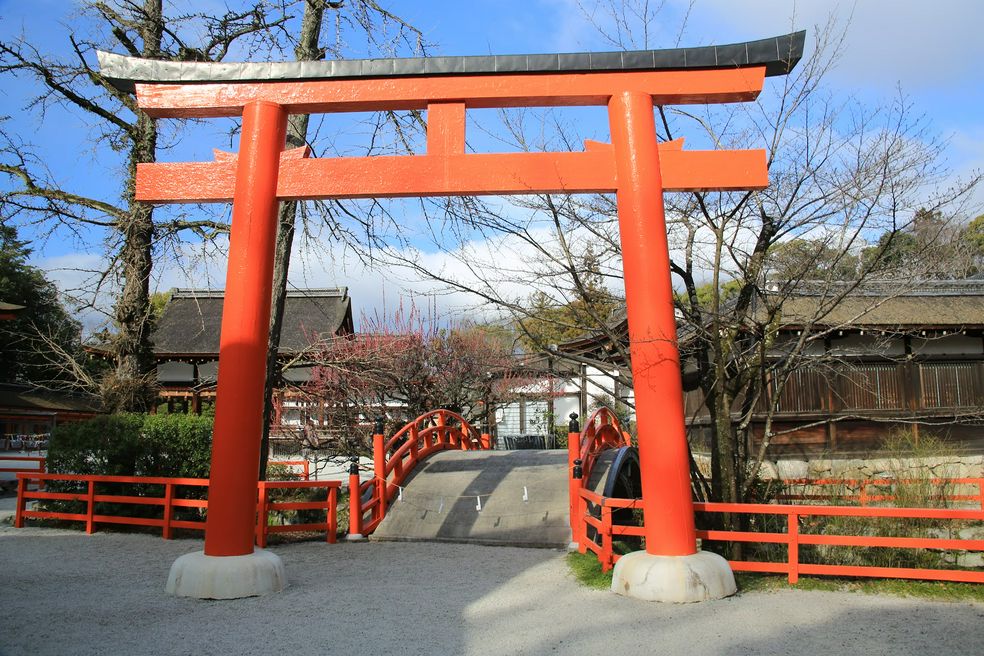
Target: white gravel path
{"points": [[67, 593]]}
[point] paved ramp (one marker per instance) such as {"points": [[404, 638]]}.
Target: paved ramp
{"points": [[441, 500]]}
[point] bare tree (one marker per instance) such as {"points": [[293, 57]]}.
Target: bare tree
{"points": [[376, 23], [405, 364], [144, 30]]}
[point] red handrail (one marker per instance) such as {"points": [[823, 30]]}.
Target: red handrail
{"points": [[856, 489], [601, 431], [303, 464], [168, 501], [396, 457], [793, 537], [40, 462]]}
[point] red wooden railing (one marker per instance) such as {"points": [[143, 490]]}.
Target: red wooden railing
{"points": [[169, 500], [38, 465], [601, 431], [305, 466], [266, 506], [793, 538], [829, 490], [396, 457]]}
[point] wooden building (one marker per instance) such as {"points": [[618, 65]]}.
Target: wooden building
{"points": [[186, 345], [880, 359]]}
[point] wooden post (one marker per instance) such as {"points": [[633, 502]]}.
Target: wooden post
{"points": [[355, 499], [573, 485], [663, 453], [90, 524], [168, 510], [792, 530], [245, 331]]}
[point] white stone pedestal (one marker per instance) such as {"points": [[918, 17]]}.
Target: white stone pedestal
{"points": [[226, 577], [678, 579], [355, 537]]}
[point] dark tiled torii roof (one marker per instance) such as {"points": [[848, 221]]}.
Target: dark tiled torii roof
{"points": [[192, 319], [778, 54]]}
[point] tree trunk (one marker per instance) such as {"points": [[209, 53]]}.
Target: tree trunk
{"points": [[132, 386], [297, 126]]}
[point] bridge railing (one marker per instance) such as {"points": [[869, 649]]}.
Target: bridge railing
{"points": [[100, 498], [601, 431], [396, 457], [786, 530]]}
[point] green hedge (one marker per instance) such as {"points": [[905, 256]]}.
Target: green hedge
{"points": [[133, 445]]}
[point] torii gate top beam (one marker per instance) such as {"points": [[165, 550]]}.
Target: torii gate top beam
{"points": [[185, 90]]}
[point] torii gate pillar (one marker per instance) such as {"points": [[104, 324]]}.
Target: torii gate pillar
{"points": [[671, 568]]}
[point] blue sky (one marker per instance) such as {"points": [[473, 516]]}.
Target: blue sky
{"points": [[930, 51]]}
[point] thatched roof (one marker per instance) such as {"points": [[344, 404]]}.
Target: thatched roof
{"points": [[192, 320], [953, 305]]}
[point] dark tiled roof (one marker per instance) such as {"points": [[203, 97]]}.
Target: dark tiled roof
{"points": [[192, 320], [22, 397]]}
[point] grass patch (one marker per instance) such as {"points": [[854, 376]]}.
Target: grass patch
{"points": [[936, 590], [587, 570]]}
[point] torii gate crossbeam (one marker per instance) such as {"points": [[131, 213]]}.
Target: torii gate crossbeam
{"points": [[634, 166]]}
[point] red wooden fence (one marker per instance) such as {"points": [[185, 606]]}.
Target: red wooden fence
{"points": [[793, 538], [170, 499]]}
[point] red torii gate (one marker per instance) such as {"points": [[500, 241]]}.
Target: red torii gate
{"points": [[634, 166]]}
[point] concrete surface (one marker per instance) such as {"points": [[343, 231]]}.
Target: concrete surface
{"points": [[441, 500], [66, 593]]}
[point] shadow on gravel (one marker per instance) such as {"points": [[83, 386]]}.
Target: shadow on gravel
{"points": [[68, 593]]}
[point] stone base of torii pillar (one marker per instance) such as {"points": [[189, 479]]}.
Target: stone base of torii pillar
{"points": [[226, 577], [678, 579]]}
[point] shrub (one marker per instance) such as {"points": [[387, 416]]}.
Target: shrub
{"points": [[105, 445], [133, 445], [175, 445], [169, 445]]}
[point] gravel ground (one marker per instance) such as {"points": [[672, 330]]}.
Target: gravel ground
{"points": [[69, 593]]}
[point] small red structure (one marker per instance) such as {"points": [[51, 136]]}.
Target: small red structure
{"points": [[634, 166]]}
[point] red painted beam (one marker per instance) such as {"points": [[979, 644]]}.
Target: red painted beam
{"points": [[476, 91], [452, 175]]}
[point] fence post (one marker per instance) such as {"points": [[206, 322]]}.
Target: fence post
{"points": [[331, 515], [355, 502], [379, 464], [980, 492], [485, 440], [21, 501], [168, 498], [307, 470], [607, 549], [414, 443], [90, 525], [573, 486], [262, 510], [579, 531], [792, 531]]}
